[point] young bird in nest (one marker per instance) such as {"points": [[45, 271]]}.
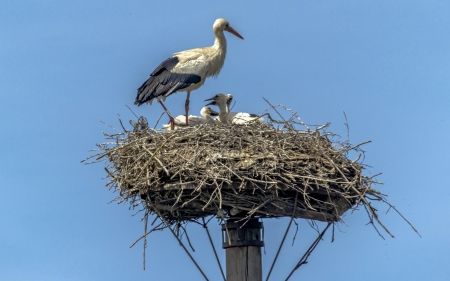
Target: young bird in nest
{"points": [[225, 116], [180, 120]]}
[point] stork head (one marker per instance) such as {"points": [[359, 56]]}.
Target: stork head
{"points": [[217, 100], [223, 25], [207, 111], [229, 99]]}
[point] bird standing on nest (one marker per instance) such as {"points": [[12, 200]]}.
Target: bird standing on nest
{"points": [[180, 121], [187, 70], [225, 116]]}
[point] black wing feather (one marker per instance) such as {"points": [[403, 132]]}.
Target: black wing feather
{"points": [[168, 64], [163, 82]]}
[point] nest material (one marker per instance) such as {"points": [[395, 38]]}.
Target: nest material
{"points": [[255, 170]]}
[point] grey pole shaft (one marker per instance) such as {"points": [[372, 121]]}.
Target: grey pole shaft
{"points": [[244, 263], [243, 250]]}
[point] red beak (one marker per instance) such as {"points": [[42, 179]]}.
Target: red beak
{"points": [[232, 31]]}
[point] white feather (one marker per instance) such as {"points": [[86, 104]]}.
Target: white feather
{"points": [[242, 118], [180, 120], [238, 118]]}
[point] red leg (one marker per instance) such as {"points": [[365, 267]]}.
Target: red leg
{"points": [[172, 123], [172, 120], [186, 107]]}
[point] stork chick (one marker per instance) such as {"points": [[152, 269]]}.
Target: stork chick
{"points": [[180, 121], [225, 116]]}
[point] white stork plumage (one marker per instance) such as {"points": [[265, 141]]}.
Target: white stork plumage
{"points": [[220, 101], [186, 71], [225, 116], [180, 121]]}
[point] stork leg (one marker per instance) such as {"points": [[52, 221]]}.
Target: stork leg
{"points": [[186, 107], [172, 120]]}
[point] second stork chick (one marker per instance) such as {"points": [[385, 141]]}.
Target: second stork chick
{"points": [[180, 121], [225, 116]]}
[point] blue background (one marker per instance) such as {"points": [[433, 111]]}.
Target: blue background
{"points": [[65, 65]]}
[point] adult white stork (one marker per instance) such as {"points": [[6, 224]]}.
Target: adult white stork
{"points": [[225, 116], [187, 70], [180, 121]]}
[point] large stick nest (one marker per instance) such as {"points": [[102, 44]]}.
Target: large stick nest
{"points": [[255, 170]]}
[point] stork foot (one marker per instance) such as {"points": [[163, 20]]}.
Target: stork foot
{"points": [[172, 120], [172, 123]]}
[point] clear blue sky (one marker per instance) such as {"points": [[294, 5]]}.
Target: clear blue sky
{"points": [[65, 65]]}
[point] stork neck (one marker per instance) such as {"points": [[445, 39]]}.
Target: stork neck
{"points": [[220, 42], [223, 113]]}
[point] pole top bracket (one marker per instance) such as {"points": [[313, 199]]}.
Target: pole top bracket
{"points": [[241, 234]]}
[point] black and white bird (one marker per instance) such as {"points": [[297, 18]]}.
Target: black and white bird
{"points": [[206, 118], [186, 71], [225, 116]]}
